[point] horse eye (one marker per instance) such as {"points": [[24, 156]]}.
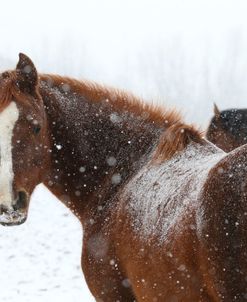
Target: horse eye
{"points": [[36, 129]]}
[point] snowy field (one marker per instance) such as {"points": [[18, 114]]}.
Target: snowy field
{"points": [[40, 260], [185, 54]]}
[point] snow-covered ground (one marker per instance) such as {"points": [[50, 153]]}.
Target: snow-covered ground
{"points": [[40, 260], [186, 54]]}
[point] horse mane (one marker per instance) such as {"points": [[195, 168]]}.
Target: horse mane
{"points": [[175, 139], [119, 99], [176, 134]]}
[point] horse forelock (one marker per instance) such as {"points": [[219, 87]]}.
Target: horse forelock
{"points": [[10, 91], [7, 89]]}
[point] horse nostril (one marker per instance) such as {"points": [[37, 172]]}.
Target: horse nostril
{"points": [[21, 202], [3, 209]]}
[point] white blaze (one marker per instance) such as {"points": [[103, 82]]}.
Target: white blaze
{"points": [[8, 118]]}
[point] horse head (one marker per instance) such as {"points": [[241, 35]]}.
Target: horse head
{"points": [[228, 128], [23, 145]]}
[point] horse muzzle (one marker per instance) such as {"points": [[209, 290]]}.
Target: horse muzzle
{"points": [[17, 213]]}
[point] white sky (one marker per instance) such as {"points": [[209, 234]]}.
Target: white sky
{"points": [[131, 43], [110, 25]]}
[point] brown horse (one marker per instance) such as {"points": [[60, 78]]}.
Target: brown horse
{"points": [[228, 128], [163, 211]]}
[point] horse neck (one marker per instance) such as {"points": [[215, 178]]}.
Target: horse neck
{"points": [[95, 147]]}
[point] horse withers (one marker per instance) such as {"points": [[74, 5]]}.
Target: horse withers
{"points": [[228, 128], [163, 210]]}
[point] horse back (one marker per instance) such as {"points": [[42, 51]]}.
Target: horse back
{"points": [[158, 196], [156, 234]]}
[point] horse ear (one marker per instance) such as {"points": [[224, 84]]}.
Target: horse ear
{"points": [[27, 76], [216, 111]]}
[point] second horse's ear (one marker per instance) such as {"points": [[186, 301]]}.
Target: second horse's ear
{"points": [[216, 111], [27, 76]]}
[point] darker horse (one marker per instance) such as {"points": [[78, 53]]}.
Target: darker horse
{"points": [[228, 128], [164, 212]]}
